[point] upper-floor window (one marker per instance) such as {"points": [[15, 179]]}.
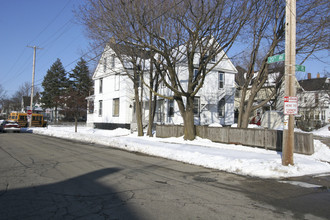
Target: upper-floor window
{"points": [[104, 64], [316, 98], [221, 80], [113, 61], [117, 82], [196, 106], [101, 86], [195, 73], [213, 56]]}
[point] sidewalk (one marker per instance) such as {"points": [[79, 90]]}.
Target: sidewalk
{"points": [[231, 158], [324, 140]]}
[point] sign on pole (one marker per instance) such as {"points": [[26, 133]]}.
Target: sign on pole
{"points": [[29, 112], [290, 105], [300, 68], [276, 58]]}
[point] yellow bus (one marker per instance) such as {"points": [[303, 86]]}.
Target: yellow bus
{"points": [[21, 119]]}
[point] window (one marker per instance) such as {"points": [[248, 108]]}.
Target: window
{"points": [[317, 114], [115, 107], [305, 99], [212, 53], [221, 108], [146, 105], [104, 64], [196, 106], [195, 73], [170, 108], [160, 110], [117, 82], [221, 80], [316, 98], [101, 86], [100, 107], [90, 106], [113, 61]]}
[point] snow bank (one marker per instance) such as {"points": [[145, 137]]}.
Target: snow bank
{"points": [[230, 158]]}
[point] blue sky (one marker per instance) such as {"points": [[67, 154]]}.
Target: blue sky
{"points": [[47, 24], [51, 25]]}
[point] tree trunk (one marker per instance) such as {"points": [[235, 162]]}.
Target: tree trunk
{"points": [[55, 114], [188, 118], [189, 126], [152, 102], [151, 114], [75, 123], [138, 111]]}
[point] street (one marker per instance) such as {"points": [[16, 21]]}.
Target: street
{"points": [[43, 177]]}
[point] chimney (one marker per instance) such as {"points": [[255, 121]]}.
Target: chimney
{"points": [[309, 75], [318, 75]]}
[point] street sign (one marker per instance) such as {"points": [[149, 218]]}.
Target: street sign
{"points": [[290, 105], [276, 58], [29, 112], [300, 68]]}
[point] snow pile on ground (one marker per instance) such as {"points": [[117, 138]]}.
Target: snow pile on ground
{"points": [[322, 132], [226, 157]]}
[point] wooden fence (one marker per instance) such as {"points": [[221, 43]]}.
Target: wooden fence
{"points": [[263, 138]]}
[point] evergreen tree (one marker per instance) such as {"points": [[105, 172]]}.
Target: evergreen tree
{"points": [[79, 88], [55, 84]]}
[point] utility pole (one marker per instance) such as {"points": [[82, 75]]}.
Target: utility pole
{"points": [[32, 86], [290, 61]]}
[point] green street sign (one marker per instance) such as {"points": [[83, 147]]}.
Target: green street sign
{"points": [[276, 58], [301, 68]]}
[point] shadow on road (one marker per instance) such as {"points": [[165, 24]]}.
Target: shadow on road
{"points": [[81, 197]]}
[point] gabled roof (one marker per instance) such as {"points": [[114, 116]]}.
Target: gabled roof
{"points": [[125, 52], [316, 84], [121, 49]]}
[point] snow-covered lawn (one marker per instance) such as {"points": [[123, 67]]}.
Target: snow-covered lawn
{"points": [[226, 157]]}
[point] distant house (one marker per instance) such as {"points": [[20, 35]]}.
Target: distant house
{"points": [[26, 101], [313, 102], [275, 81], [113, 105]]}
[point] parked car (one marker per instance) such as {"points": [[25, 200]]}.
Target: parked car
{"points": [[9, 126]]}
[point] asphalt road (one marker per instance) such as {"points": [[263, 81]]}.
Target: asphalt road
{"points": [[48, 178]]}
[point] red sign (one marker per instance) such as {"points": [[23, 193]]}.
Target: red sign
{"points": [[290, 105], [29, 112]]}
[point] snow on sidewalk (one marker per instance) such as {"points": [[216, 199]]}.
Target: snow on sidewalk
{"points": [[237, 159]]}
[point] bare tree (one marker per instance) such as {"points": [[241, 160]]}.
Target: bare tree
{"points": [[177, 32], [24, 90], [136, 63], [3, 95], [266, 31]]}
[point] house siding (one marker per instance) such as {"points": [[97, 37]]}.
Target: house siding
{"points": [[209, 96]]}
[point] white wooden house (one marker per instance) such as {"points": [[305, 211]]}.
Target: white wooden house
{"points": [[313, 102], [112, 104]]}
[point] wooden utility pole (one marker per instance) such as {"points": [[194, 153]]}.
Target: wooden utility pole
{"points": [[290, 90], [32, 86]]}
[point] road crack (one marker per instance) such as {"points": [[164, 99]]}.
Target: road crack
{"points": [[14, 158]]}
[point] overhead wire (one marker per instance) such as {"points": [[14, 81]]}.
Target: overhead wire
{"points": [[102, 44], [23, 67]]}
